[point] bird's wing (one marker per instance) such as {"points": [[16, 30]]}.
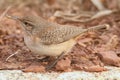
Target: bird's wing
{"points": [[59, 34]]}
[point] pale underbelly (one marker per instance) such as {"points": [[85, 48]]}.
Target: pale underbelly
{"points": [[51, 50]]}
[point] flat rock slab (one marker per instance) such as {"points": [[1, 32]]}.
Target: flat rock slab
{"points": [[112, 74]]}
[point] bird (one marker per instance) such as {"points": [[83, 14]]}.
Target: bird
{"points": [[51, 39]]}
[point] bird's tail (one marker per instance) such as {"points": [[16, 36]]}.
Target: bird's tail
{"points": [[99, 27], [95, 28]]}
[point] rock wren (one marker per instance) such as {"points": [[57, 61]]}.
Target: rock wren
{"points": [[51, 39]]}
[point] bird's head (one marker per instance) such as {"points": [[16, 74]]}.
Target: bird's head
{"points": [[28, 22]]}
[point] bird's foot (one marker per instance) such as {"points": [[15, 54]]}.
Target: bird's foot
{"points": [[45, 58]]}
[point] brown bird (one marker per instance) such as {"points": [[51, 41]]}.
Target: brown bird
{"points": [[51, 39]]}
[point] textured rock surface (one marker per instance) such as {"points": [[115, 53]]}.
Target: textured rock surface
{"points": [[112, 74]]}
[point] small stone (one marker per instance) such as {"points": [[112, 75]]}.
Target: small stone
{"points": [[63, 65]]}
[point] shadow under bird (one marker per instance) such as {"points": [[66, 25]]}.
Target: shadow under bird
{"points": [[51, 39]]}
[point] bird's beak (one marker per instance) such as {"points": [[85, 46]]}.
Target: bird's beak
{"points": [[17, 19], [13, 17]]}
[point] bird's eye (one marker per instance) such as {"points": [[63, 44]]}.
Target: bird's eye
{"points": [[28, 24], [25, 23]]}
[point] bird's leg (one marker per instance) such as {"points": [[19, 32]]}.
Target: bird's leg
{"points": [[53, 63]]}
